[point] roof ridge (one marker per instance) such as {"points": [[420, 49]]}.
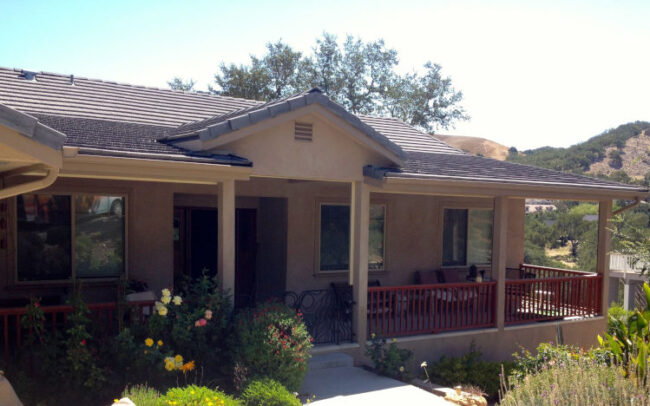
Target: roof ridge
{"points": [[111, 82]]}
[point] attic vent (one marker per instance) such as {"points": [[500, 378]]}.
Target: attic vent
{"points": [[303, 131]]}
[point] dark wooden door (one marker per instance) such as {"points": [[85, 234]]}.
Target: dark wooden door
{"points": [[245, 257]]}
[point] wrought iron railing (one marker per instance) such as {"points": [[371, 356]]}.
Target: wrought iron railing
{"points": [[326, 312]]}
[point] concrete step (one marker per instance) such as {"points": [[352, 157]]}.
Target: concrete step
{"points": [[330, 360]]}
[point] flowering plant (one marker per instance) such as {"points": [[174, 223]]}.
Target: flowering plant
{"points": [[273, 342]]}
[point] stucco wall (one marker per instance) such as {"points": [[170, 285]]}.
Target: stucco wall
{"points": [[331, 155], [497, 345], [413, 226]]}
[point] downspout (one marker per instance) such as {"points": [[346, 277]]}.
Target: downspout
{"points": [[637, 201], [38, 184]]}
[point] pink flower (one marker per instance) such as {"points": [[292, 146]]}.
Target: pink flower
{"points": [[200, 323], [83, 342]]}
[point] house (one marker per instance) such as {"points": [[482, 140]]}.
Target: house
{"points": [[366, 224], [627, 276]]}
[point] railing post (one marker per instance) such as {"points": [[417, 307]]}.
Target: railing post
{"points": [[602, 255], [499, 255], [359, 224]]}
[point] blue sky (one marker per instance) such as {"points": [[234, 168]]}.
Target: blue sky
{"points": [[533, 73]]}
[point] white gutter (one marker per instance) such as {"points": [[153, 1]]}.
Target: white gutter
{"points": [[31, 186]]}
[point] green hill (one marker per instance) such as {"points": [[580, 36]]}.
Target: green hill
{"points": [[621, 153]]}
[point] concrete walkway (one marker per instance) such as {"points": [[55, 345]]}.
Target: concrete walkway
{"points": [[346, 385]]}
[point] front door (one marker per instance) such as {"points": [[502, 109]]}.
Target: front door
{"points": [[245, 257]]}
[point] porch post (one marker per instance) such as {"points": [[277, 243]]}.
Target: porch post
{"points": [[499, 255], [359, 224], [602, 255], [226, 236]]}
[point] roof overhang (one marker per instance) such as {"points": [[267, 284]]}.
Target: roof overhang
{"points": [[453, 186], [78, 164], [27, 147]]}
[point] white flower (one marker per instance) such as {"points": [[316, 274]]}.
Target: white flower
{"points": [[401, 369], [208, 314], [177, 300], [166, 299], [166, 292], [162, 310], [423, 364]]}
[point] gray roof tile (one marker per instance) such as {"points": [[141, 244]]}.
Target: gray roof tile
{"points": [[113, 118]]}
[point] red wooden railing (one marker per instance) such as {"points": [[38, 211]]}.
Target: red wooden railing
{"points": [[552, 294], [541, 272], [420, 309], [56, 319]]}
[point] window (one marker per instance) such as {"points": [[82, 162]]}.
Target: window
{"points": [[467, 237], [334, 250], [334, 237], [69, 236], [376, 237]]}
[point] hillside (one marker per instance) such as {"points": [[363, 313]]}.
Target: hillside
{"points": [[476, 146], [619, 152]]}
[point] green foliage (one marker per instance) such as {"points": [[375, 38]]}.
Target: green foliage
{"points": [[578, 158], [548, 355], [615, 159], [390, 361], [271, 341], [181, 84], [268, 392], [631, 236], [468, 369], [629, 341], [196, 396], [582, 382], [361, 76], [142, 395], [196, 328], [616, 313]]}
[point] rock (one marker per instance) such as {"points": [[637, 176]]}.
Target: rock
{"points": [[124, 402], [466, 399], [7, 395]]}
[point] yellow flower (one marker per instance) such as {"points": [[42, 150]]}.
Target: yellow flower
{"points": [[148, 342], [160, 343], [115, 400], [166, 299], [166, 292], [162, 311], [177, 300], [178, 358]]}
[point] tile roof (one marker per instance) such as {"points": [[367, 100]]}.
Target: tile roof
{"points": [[55, 94], [471, 167], [111, 119], [116, 138], [219, 125], [31, 127]]}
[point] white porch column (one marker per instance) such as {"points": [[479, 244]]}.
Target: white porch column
{"points": [[226, 236], [359, 225], [499, 255], [602, 255]]}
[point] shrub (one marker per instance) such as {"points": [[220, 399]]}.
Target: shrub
{"points": [[268, 392], [469, 369], [548, 355], [583, 382], [391, 361], [192, 325], [272, 342], [142, 395], [196, 396]]}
